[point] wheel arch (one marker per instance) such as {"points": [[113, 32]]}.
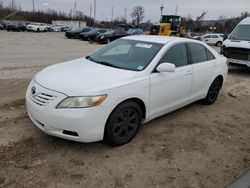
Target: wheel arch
{"points": [[221, 79], [137, 100]]}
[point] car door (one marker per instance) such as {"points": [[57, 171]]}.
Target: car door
{"points": [[171, 90], [203, 65], [207, 39], [214, 39]]}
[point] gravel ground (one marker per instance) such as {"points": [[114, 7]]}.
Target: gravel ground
{"points": [[195, 147]]}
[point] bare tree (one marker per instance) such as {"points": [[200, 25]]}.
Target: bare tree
{"points": [[138, 14]]}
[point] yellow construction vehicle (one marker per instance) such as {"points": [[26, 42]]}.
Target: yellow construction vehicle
{"points": [[170, 26]]}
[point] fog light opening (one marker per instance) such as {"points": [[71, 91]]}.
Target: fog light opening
{"points": [[70, 133]]}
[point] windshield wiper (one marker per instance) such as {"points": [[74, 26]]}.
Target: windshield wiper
{"points": [[102, 62], [107, 64]]}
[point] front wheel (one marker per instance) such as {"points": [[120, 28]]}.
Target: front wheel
{"points": [[123, 124], [213, 92]]}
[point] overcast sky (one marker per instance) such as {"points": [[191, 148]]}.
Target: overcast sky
{"points": [[215, 8]]}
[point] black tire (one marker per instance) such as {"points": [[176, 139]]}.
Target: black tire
{"points": [[219, 44], [213, 92], [38, 30], [123, 124]]}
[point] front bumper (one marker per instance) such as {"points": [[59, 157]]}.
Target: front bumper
{"points": [[237, 56], [239, 62], [81, 125]]}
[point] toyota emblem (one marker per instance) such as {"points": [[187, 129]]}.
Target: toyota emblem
{"points": [[33, 90]]}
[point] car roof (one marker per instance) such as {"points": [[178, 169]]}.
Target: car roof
{"points": [[245, 21], [157, 38]]}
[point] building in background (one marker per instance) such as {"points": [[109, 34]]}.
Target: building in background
{"points": [[74, 24]]}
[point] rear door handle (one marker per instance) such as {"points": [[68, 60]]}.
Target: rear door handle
{"points": [[188, 73]]}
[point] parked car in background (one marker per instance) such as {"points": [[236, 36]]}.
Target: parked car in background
{"points": [[92, 34], [49, 28], [110, 93], [110, 36], [65, 28], [193, 35], [136, 31], [4, 23], [213, 38], [237, 47], [37, 27], [197, 37], [16, 26], [74, 33], [1, 26]]}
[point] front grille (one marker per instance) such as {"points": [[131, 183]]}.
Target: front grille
{"points": [[238, 53], [42, 99]]}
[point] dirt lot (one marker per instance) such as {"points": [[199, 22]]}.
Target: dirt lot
{"points": [[195, 147]]}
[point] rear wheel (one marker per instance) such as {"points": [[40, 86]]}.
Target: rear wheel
{"points": [[219, 44], [123, 124], [213, 91], [38, 30]]}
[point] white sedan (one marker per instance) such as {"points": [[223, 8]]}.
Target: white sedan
{"points": [[110, 93], [214, 39]]}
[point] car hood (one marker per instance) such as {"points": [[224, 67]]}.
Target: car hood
{"points": [[237, 43], [83, 77]]}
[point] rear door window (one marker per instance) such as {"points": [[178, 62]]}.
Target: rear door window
{"points": [[198, 53], [207, 37]]}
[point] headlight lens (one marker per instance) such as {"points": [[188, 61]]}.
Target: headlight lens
{"points": [[102, 37], [82, 102]]}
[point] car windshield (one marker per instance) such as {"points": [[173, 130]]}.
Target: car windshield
{"points": [[242, 32], [77, 29], [126, 54], [92, 31], [109, 32]]}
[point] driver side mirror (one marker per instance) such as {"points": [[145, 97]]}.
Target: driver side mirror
{"points": [[166, 67]]}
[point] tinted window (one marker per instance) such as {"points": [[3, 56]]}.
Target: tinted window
{"points": [[207, 36], [215, 36], [198, 53], [241, 33], [210, 56], [176, 55]]}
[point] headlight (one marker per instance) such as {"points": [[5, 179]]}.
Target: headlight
{"points": [[102, 37], [82, 102]]}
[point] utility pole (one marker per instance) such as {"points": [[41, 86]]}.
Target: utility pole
{"points": [[12, 4], [161, 8], [90, 10], [33, 5], [94, 11], [176, 10], [125, 14], [75, 8], [112, 14]]}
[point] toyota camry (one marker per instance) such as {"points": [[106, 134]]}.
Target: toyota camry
{"points": [[110, 93]]}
